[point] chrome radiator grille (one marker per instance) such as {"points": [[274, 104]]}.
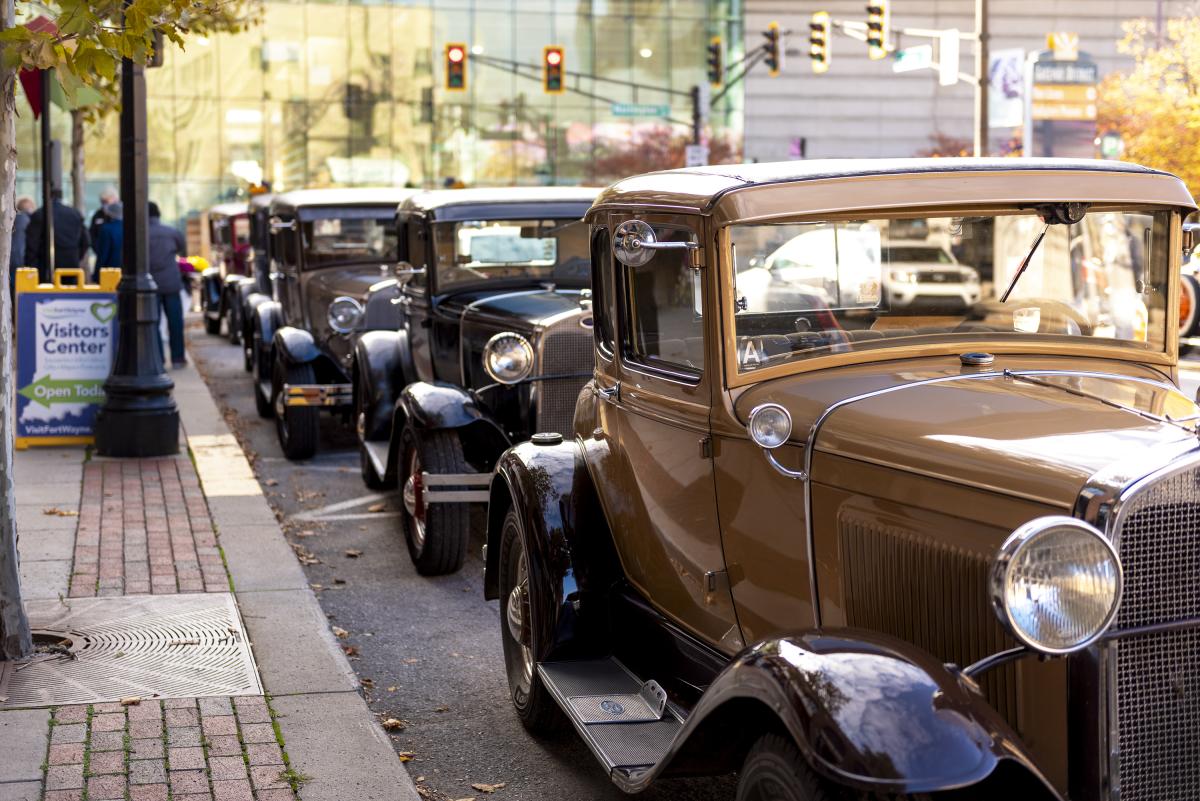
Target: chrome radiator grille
{"points": [[565, 348], [1157, 677]]}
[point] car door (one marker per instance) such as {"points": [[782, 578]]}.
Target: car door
{"points": [[415, 296], [658, 486], [286, 268]]}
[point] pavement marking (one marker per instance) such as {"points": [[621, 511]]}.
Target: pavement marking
{"points": [[330, 512]]}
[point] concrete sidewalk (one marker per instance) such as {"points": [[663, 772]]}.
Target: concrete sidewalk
{"points": [[174, 526]]}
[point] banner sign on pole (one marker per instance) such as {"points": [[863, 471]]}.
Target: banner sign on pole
{"points": [[66, 333]]}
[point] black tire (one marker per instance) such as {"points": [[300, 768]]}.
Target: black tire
{"points": [[775, 770], [247, 341], [536, 710], [264, 405], [370, 475], [233, 317], [436, 534], [212, 326], [298, 427]]}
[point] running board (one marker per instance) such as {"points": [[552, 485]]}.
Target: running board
{"points": [[626, 723], [377, 452]]}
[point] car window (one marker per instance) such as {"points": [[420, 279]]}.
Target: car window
{"points": [[346, 239], [664, 323], [285, 245], [479, 251], [601, 289]]}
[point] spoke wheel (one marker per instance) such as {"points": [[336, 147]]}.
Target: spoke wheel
{"points": [[437, 533], [520, 635]]}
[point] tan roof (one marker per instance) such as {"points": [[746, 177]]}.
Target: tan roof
{"points": [[764, 190], [352, 196]]}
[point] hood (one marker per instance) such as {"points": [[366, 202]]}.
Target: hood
{"points": [[351, 280], [530, 306], [1041, 441]]}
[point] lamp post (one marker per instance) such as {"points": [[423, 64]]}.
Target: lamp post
{"points": [[138, 417]]}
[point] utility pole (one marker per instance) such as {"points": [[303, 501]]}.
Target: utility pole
{"points": [[981, 78], [139, 416], [697, 116], [47, 254]]}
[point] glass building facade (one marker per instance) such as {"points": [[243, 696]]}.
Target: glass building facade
{"points": [[338, 94]]}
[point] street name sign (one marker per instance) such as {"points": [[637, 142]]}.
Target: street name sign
{"points": [[640, 110], [911, 59]]}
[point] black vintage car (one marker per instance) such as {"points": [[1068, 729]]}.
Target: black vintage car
{"points": [[250, 293], [328, 248], [229, 246], [494, 346]]}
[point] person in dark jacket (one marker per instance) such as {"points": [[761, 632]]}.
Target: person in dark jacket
{"points": [[16, 256], [167, 245], [71, 240], [109, 237], [108, 197]]}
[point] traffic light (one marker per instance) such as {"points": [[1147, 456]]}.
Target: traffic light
{"points": [[774, 49], [878, 22], [552, 70], [716, 70], [456, 67], [819, 40]]}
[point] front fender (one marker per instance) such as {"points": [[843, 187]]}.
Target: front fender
{"points": [[379, 376], [572, 560], [295, 346], [436, 406], [867, 711], [266, 318], [211, 289]]}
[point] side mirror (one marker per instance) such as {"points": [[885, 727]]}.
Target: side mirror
{"points": [[634, 243], [1189, 239]]}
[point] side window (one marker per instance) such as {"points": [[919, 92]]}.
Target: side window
{"points": [[602, 290], [664, 309], [417, 254], [284, 248]]}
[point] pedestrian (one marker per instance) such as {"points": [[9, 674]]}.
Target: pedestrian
{"points": [[107, 198], [71, 240], [167, 245], [16, 256], [109, 237]]}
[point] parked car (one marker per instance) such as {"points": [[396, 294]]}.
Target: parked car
{"points": [[1189, 297], [229, 243], [329, 246], [865, 551], [259, 290], [926, 274], [493, 347]]}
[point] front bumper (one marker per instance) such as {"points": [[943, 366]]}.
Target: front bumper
{"points": [[317, 394]]}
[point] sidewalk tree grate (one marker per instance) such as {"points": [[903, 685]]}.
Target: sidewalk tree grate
{"points": [[148, 646]]}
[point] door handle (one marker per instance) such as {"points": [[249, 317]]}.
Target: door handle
{"points": [[609, 393]]}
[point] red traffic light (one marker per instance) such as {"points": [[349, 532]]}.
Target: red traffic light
{"points": [[455, 54], [553, 57]]}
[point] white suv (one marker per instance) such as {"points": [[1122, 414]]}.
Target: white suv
{"points": [[927, 274]]}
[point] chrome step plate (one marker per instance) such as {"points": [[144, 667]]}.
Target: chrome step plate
{"points": [[626, 724], [377, 452]]}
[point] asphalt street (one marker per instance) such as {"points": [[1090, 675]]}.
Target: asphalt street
{"points": [[427, 650]]}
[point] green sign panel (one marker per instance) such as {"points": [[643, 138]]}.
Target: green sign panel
{"points": [[639, 110], [47, 390]]}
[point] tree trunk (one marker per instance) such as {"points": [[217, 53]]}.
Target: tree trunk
{"points": [[15, 641], [77, 176]]}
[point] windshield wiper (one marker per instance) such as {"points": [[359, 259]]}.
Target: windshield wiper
{"points": [[1021, 270]]}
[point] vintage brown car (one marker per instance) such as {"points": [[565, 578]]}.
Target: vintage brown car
{"points": [[849, 549]]}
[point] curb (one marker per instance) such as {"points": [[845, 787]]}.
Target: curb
{"points": [[330, 733]]}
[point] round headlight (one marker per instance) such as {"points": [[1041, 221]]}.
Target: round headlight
{"points": [[344, 314], [1056, 584], [508, 358], [770, 425]]}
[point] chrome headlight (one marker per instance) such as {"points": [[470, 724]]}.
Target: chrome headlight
{"points": [[508, 358], [1056, 584], [770, 425], [344, 314]]}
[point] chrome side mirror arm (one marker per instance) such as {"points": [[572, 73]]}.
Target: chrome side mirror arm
{"points": [[786, 472], [634, 243]]}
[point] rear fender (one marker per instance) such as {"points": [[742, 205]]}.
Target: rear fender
{"points": [[438, 406], [868, 711], [572, 561]]}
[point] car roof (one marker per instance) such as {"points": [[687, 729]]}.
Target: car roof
{"points": [[507, 201], [702, 189], [231, 209], [356, 196], [261, 200]]}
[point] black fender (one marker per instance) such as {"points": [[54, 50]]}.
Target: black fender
{"points": [[249, 317], [868, 711], [267, 317], [433, 406], [379, 376], [212, 292], [572, 560], [381, 312], [293, 345]]}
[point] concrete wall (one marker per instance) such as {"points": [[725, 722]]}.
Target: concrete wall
{"points": [[861, 108]]}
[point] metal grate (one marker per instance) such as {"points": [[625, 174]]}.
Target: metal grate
{"points": [[565, 347], [161, 646], [1157, 705]]}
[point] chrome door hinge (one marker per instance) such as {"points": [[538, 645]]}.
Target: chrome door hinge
{"points": [[706, 449]]}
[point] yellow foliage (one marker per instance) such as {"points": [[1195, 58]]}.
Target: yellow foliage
{"points": [[1156, 105]]}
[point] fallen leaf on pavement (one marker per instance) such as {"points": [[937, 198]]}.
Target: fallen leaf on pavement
{"points": [[270, 482], [340, 632], [392, 689], [391, 724], [442, 709], [411, 661], [377, 507], [317, 587], [406, 756], [353, 553], [419, 779], [55, 511], [308, 532], [350, 650], [488, 788], [132, 700], [468, 798], [339, 581], [368, 683]]}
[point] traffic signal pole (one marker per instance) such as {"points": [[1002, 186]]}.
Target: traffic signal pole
{"points": [[981, 78]]}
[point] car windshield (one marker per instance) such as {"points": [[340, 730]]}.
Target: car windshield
{"points": [[475, 251], [349, 237], [809, 289]]}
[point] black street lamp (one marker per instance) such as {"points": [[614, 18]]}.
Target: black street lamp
{"points": [[138, 417]]}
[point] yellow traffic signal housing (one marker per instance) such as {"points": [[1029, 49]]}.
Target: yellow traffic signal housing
{"points": [[819, 41], [716, 69], [879, 19], [552, 70], [456, 67], [773, 49]]}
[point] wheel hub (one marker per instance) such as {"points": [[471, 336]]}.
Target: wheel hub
{"points": [[280, 408], [518, 613], [414, 501]]}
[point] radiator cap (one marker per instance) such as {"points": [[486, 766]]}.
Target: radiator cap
{"points": [[976, 359], [546, 438]]}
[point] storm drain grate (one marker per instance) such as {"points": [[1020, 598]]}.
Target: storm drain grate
{"points": [[151, 646]]}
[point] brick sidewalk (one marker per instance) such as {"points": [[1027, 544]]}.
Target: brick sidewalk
{"points": [[144, 528]]}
